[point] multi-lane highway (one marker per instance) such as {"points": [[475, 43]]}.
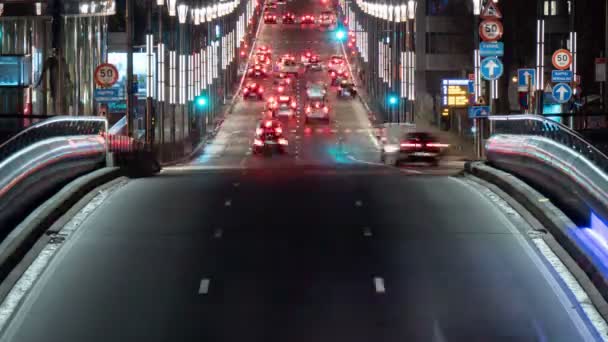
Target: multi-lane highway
{"points": [[319, 244]]}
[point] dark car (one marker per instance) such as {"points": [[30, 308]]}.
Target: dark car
{"points": [[307, 19], [269, 137], [270, 18], [289, 18], [417, 146], [253, 90]]}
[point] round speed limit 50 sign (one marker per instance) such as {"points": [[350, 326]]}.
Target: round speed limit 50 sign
{"points": [[490, 30], [562, 59], [106, 75]]}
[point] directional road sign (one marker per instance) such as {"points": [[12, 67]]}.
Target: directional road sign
{"points": [[522, 83], [107, 95], [558, 76], [562, 59], [478, 112], [562, 92], [491, 68], [491, 49], [490, 30]]}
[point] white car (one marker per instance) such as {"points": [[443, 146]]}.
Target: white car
{"points": [[317, 110], [289, 67], [316, 91]]}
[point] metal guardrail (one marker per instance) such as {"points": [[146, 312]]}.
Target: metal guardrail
{"points": [[57, 126]]}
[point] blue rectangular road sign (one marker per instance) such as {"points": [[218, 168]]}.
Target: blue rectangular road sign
{"points": [[478, 112], [522, 84], [559, 76], [491, 49], [107, 95]]}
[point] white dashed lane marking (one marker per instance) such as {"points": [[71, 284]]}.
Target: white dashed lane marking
{"points": [[379, 285], [204, 286]]}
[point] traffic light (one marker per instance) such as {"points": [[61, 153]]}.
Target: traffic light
{"points": [[340, 34], [201, 101], [393, 100]]}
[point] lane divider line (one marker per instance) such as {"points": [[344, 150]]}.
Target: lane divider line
{"points": [[379, 285], [203, 288]]}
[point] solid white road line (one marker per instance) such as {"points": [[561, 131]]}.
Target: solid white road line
{"points": [[204, 286], [379, 285]]}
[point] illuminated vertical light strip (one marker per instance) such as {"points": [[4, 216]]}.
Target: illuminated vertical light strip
{"points": [[182, 79], [573, 49], [190, 77], [172, 77], [216, 66], [380, 59], [412, 80], [210, 64], [196, 74], [476, 85], [161, 72], [540, 53], [224, 53], [389, 75], [149, 74], [403, 74], [204, 68]]}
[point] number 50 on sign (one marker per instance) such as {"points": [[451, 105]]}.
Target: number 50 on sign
{"points": [[490, 30], [106, 75]]}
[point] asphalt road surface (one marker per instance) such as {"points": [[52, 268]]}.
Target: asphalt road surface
{"points": [[316, 245]]}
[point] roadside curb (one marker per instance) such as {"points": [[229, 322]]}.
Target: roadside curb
{"points": [[20, 242], [557, 224]]}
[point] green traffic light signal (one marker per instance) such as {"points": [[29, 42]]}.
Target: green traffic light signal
{"points": [[201, 101], [393, 100]]}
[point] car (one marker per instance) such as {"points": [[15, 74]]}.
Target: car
{"points": [[270, 18], [283, 85], [283, 105], [316, 110], [305, 57], [281, 2], [289, 18], [307, 19], [336, 63], [262, 58], [265, 49], [413, 146], [316, 91], [327, 18], [253, 90], [288, 67], [257, 70], [338, 76], [269, 137], [314, 63], [346, 89]]}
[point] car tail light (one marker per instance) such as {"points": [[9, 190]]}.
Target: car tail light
{"points": [[333, 74], [278, 130], [345, 74], [282, 141], [281, 89], [293, 104], [408, 144], [326, 109], [308, 109], [258, 142], [259, 131], [260, 90], [246, 90], [268, 124], [437, 145]]}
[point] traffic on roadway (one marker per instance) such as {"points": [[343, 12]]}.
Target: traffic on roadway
{"points": [[298, 221]]}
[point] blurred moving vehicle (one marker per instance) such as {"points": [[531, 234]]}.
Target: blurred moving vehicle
{"points": [[271, 4], [327, 18], [314, 63], [262, 58], [338, 76], [270, 18], [265, 49], [307, 19], [287, 65], [284, 85], [269, 137], [412, 147], [306, 56], [253, 90], [289, 18], [257, 70], [316, 91], [283, 105], [336, 63], [316, 110], [347, 89]]}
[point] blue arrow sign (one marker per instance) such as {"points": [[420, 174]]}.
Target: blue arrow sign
{"points": [[107, 95], [489, 49], [558, 76], [562, 92], [491, 68], [522, 75], [478, 112]]}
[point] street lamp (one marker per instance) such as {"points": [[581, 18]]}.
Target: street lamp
{"points": [[476, 7], [182, 13], [171, 4], [160, 2], [411, 9]]}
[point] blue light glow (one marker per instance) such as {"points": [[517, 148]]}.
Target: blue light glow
{"points": [[217, 30]]}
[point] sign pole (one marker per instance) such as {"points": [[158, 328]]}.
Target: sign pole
{"points": [[130, 97]]}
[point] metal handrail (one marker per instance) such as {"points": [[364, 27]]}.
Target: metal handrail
{"points": [[536, 125], [53, 127]]}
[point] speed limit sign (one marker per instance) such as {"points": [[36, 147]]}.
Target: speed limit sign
{"points": [[490, 30], [562, 59], [106, 75]]}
